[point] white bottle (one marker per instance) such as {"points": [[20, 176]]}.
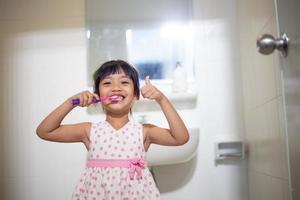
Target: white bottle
{"points": [[179, 79]]}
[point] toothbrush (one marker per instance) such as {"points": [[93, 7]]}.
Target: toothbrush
{"points": [[94, 100]]}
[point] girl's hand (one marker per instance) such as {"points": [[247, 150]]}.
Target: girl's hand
{"points": [[149, 91], [85, 98]]}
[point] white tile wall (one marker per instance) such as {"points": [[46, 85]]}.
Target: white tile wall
{"points": [[263, 106]]}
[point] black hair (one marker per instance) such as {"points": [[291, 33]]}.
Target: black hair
{"points": [[114, 67]]}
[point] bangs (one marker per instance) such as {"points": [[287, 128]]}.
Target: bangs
{"points": [[114, 70]]}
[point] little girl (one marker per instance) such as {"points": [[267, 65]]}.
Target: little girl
{"points": [[116, 168]]}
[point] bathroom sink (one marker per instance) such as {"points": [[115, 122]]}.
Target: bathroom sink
{"points": [[168, 155]]}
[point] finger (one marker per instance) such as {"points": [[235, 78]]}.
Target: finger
{"points": [[95, 95], [80, 100], [148, 94], [85, 99], [90, 99], [147, 80], [145, 89]]}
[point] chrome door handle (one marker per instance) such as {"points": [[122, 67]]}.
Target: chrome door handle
{"points": [[266, 44]]}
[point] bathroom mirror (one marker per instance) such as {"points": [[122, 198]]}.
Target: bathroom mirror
{"points": [[151, 35]]}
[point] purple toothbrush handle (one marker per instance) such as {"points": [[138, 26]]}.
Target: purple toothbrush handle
{"points": [[76, 102]]}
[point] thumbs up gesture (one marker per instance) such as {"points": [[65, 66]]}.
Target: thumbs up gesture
{"points": [[149, 91]]}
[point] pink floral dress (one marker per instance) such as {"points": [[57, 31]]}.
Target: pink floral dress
{"points": [[126, 177]]}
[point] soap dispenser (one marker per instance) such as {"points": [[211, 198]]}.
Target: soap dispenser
{"points": [[179, 79]]}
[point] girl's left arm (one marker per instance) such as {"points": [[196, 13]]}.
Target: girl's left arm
{"points": [[177, 134]]}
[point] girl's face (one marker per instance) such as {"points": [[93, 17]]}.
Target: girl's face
{"points": [[117, 85]]}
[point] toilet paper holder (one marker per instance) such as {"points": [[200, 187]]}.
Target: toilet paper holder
{"points": [[229, 150]]}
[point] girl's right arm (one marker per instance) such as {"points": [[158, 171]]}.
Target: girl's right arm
{"points": [[51, 128]]}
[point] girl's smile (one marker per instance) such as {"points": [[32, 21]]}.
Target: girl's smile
{"points": [[120, 87]]}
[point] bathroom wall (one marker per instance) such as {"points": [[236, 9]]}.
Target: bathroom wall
{"points": [[263, 104], [42, 55], [43, 62]]}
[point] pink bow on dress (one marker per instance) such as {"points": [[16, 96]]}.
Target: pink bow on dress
{"points": [[136, 166]]}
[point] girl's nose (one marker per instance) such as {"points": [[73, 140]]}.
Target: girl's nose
{"points": [[116, 87]]}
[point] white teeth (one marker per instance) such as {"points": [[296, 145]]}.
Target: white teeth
{"points": [[116, 98]]}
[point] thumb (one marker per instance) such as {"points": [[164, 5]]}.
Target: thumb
{"points": [[147, 80]]}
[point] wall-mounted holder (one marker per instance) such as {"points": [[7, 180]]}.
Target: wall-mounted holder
{"points": [[231, 150]]}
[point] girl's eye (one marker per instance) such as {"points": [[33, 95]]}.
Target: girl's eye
{"points": [[106, 83], [125, 81]]}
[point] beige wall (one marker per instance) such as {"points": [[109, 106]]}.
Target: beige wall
{"points": [[263, 104], [42, 55]]}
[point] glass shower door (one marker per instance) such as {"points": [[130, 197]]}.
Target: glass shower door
{"points": [[288, 22], [289, 46]]}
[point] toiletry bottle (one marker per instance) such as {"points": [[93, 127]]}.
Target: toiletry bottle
{"points": [[179, 79]]}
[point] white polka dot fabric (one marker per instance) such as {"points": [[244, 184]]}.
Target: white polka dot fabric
{"points": [[114, 183]]}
